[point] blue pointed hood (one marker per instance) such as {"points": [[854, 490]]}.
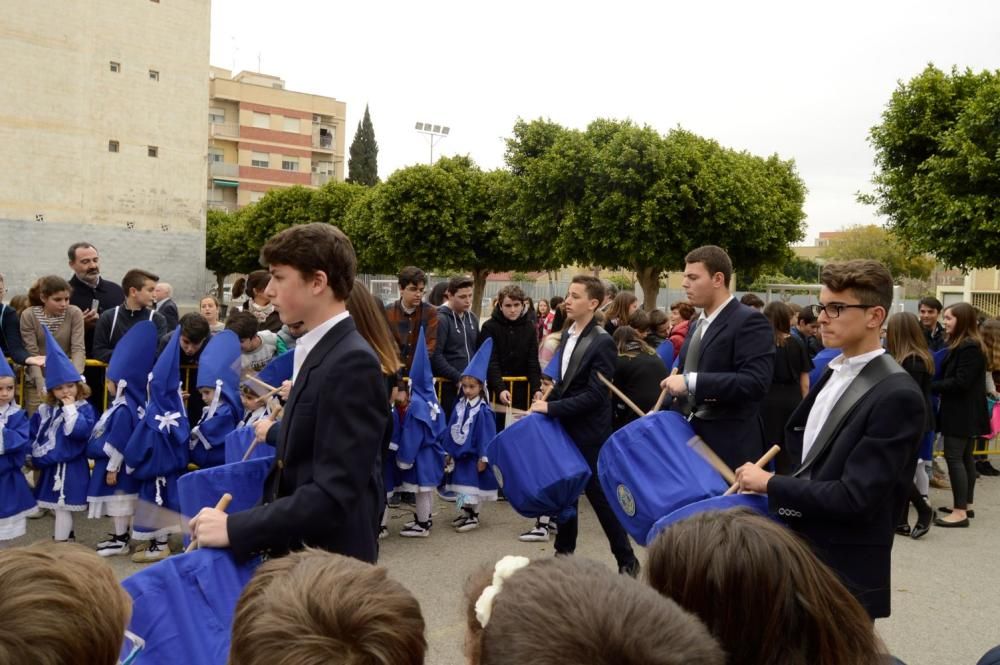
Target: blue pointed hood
{"points": [[421, 378], [277, 371], [133, 359], [480, 362], [554, 369], [219, 367], [58, 368], [5, 369]]}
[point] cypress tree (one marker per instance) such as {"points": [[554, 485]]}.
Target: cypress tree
{"points": [[362, 166]]}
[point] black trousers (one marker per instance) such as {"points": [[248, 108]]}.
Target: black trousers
{"points": [[617, 537], [961, 468]]}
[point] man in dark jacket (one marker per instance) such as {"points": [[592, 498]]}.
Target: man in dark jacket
{"points": [[583, 406], [163, 294], [457, 333], [515, 350]]}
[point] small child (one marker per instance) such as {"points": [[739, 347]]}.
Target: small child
{"points": [[314, 606], [472, 427], [258, 346], [60, 430], [420, 454], [16, 499], [510, 611], [112, 493], [218, 382]]}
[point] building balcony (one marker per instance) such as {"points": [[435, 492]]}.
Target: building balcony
{"points": [[320, 179], [223, 170], [224, 130], [225, 206]]}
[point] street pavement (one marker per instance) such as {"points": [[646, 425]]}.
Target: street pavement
{"points": [[946, 590]]}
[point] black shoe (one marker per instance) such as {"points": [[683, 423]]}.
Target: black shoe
{"points": [[919, 530], [985, 468], [951, 525], [631, 569], [947, 511], [903, 529]]}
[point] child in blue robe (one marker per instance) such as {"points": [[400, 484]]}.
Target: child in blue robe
{"points": [[16, 499], [219, 384], [470, 430], [60, 430], [111, 492]]}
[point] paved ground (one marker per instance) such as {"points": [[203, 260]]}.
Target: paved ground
{"points": [[946, 590]]}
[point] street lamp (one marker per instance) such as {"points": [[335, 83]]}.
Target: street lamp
{"points": [[434, 132]]}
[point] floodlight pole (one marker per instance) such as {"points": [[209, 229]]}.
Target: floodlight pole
{"points": [[435, 134]]}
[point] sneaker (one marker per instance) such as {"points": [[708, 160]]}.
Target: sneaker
{"points": [[538, 534], [468, 523], [156, 551], [71, 539], [394, 500], [417, 530], [630, 569], [39, 513], [383, 533], [552, 527], [446, 495], [407, 525], [115, 546], [938, 481]]}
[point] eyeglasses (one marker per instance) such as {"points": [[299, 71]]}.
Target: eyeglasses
{"points": [[132, 647], [834, 310]]}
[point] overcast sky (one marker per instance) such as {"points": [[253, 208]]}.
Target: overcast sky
{"points": [[787, 77]]}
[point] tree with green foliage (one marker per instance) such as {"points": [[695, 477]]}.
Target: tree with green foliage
{"points": [[225, 250], [331, 202], [937, 151], [369, 235], [362, 166], [278, 210], [874, 242]]}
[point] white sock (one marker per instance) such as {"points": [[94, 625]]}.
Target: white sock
{"points": [[424, 503], [385, 516], [121, 525], [64, 524], [474, 507], [921, 479], [544, 519]]}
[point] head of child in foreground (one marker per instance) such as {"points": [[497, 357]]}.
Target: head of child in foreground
{"points": [[67, 393], [61, 605], [569, 609], [761, 591], [471, 387], [314, 607], [251, 400], [6, 390]]}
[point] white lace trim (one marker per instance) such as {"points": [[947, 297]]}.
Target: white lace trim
{"points": [[460, 430], [113, 505], [102, 424], [207, 414], [15, 526], [74, 508], [50, 423]]}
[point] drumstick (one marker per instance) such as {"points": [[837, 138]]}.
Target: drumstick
{"points": [[545, 393], [663, 395], [267, 386], [272, 417], [706, 453], [222, 505], [761, 463], [621, 395]]}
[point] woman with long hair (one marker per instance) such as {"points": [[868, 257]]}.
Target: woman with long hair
{"points": [[963, 417], [257, 302], [789, 384], [620, 310], [545, 316], [638, 372], [761, 591], [209, 308], [905, 341], [63, 320]]}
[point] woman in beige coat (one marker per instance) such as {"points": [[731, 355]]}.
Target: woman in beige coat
{"points": [[63, 320]]}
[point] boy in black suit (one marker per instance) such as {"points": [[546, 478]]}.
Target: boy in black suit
{"points": [[324, 489], [583, 405], [856, 434]]}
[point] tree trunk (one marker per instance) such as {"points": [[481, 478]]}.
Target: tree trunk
{"points": [[649, 280], [219, 283], [478, 287]]}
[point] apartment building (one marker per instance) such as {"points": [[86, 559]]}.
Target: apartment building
{"points": [[262, 136]]}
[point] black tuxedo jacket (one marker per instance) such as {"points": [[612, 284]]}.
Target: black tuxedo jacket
{"points": [[325, 487], [580, 401], [735, 370], [842, 498]]}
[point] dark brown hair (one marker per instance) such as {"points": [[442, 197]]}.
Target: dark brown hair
{"points": [[458, 282], [966, 325], [194, 326], [71, 253], [136, 278], [991, 343], [61, 605], [512, 291], [626, 335], [869, 281], [657, 318], [51, 284], [20, 303], [412, 275], [593, 286], [715, 260], [752, 300], [684, 308], [315, 607], [618, 309], [904, 337], [570, 609], [780, 317], [313, 248], [640, 321], [256, 283], [369, 317], [761, 591], [243, 323]]}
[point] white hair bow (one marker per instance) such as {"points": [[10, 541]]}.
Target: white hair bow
{"points": [[505, 567]]}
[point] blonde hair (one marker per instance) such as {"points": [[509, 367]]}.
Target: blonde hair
{"points": [[314, 607], [61, 605]]}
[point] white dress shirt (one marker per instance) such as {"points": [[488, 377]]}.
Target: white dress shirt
{"points": [[844, 372], [572, 337], [306, 343], [703, 323]]}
